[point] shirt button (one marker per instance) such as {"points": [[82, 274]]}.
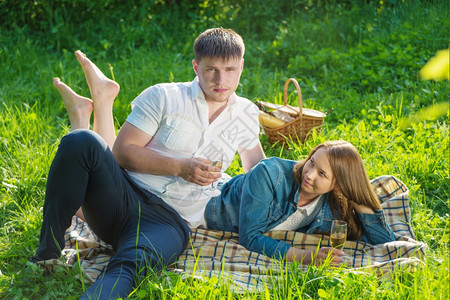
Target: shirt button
{"points": [[318, 220]]}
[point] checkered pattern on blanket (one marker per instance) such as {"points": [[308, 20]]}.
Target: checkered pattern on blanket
{"points": [[218, 253]]}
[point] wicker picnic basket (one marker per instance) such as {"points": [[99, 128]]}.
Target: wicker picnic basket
{"points": [[300, 127]]}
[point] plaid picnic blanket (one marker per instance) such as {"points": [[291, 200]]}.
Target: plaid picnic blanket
{"points": [[218, 253]]}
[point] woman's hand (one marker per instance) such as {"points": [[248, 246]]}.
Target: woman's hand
{"points": [[307, 257], [323, 253]]}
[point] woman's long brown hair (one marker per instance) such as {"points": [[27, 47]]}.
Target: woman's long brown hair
{"points": [[352, 184]]}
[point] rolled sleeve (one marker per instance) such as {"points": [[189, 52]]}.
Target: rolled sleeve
{"points": [[147, 111], [280, 250], [376, 229]]}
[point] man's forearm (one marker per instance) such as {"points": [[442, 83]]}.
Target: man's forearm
{"points": [[142, 160], [251, 157]]}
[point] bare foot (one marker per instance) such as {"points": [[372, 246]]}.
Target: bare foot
{"points": [[78, 108], [103, 93], [103, 90]]}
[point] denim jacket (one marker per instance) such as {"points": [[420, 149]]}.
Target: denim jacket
{"points": [[254, 203]]}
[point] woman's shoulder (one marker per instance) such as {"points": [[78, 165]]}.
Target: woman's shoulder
{"points": [[273, 165], [280, 162]]}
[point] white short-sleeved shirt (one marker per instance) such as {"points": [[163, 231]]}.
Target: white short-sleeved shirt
{"points": [[176, 116]]}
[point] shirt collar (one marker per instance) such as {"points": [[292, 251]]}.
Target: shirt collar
{"points": [[196, 90], [310, 207]]}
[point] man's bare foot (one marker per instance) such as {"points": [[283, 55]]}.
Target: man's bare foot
{"points": [[78, 108], [103, 90]]}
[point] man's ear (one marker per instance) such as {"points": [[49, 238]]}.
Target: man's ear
{"points": [[194, 66]]}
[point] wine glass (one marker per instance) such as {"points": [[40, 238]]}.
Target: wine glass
{"points": [[216, 159], [338, 234]]}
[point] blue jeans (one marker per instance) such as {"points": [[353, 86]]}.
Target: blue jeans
{"points": [[143, 230]]}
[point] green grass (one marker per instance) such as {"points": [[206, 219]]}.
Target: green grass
{"points": [[362, 59]]}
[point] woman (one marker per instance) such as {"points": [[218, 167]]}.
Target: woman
{"points": [[306, 196]]}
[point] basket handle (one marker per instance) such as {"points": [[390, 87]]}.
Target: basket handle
{"points": [[300, 103]]}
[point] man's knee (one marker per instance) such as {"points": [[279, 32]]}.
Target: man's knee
{"points": [[81, 140]]}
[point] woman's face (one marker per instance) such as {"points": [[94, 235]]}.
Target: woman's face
{"points": [[317, 175]]}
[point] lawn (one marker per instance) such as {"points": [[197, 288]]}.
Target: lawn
{"points": [[361, 58]]}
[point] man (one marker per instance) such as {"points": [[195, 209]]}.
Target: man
{"points": [[173, 125], [143, 206]]}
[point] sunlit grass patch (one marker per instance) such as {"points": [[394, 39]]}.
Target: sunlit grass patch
{"points": [[361, 58]]}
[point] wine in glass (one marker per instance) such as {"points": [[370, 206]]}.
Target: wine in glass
{"points": [[338, 234], [216, 159], [217, 163]]}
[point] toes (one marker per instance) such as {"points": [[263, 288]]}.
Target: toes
{"points": [[57, 83], [80, 54]]}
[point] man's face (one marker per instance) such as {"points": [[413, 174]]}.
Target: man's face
{"points": [[218, 78]]}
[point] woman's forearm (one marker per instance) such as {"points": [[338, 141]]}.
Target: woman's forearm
{"points": [[300, 255]]}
